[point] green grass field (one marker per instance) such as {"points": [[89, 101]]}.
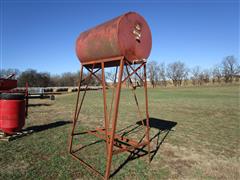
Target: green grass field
{"points": [[204, 144]]}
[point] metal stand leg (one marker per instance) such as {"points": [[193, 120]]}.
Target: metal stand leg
{"points": [[146, 103], [134, 95], [147, 114], [74, 117], [114, 120], [79, 106], [106, 133], [105, 106]]}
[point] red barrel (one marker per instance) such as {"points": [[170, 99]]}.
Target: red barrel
{"points": [[127, 35], [12, 112]]}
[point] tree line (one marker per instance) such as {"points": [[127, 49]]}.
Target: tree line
{"points": [[44, 79], [176, 74]]}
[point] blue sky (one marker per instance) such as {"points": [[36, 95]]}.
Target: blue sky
{"points": [[41, 34]]}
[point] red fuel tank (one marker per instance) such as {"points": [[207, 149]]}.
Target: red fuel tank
{"points": [[12, 112], [127, 35]]}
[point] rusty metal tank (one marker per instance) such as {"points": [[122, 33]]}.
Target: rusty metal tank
{"points": [[128, 35]]}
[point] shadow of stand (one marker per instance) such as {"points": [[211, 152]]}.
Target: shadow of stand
{"points": [[163, 126], [39, 128]]}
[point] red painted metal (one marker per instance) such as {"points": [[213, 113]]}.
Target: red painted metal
{"points": [[6, 84], [127, 35], [106, 133], [12, 115], [122, 41], [13, 105], [124, 144]]}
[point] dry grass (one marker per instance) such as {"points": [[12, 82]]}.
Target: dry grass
{"points": [[204, 144]]}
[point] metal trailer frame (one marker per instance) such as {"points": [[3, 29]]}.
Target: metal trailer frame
{"points": [[109, 134]]}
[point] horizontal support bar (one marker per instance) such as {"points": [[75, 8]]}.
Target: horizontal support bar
{"points": [[128, 148], [117, 58], [125, 144]]}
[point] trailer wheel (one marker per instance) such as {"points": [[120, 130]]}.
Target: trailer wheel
{"points": [[52, 97]]}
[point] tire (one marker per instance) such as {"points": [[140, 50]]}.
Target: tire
{"points": [[12, 96], [52, 97]]}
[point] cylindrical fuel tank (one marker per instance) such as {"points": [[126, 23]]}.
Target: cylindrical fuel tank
{"points": [[128, 35], [12, 112]]}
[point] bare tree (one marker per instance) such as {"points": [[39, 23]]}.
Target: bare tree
{"points": [[162, 74], [110, 75], [55, 81], [216, 74], [195, 75], [152, 73], [177, 71], [230, 68], [205, 76]]}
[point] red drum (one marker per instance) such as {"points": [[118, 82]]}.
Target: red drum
{"points": [[12, 112]]}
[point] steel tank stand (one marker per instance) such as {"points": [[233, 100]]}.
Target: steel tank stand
{"points": [[106, 133]]}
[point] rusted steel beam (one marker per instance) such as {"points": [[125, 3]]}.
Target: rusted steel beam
{"points": [[133, 72], [87, 165], [90, 74], [147, 114], [125, 144], [99, 61], [75, 112], [114, 119], [94, 74], [106, 121], [109, 135], [118, 137], [135, 96], [78, 106], [128, 148], [113, 94]]}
